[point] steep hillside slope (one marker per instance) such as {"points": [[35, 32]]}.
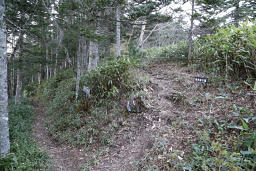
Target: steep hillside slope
{"points": [[186, 125]]}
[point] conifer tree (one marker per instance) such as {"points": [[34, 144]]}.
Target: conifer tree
{"points": [[4, 129]]}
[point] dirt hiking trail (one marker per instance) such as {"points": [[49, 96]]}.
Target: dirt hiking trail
{"points": [[64, 158], [165, 107]]}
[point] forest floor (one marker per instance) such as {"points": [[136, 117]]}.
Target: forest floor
{"points": [[166, 106], [174, 104], [64, 158]]}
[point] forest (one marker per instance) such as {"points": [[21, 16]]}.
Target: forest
{"points": [[127, 85]]}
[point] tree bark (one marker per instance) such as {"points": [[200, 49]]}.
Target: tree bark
{"points": [[56, 65], [94, 51], [84, 53], [154, 29], [12, 80], [47, 58], [51, 66], [18, 95], [94, 55], [4, 129], [39, 74], [118, 32], [191, 31], [78, 76], [142, 33], [18, 87], [82, 61]]}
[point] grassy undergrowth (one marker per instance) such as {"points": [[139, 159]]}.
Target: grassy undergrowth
{"points": [[89, 120], [226, 144], [228, 141], [230, 52], [225, 137], [24, 152], [218, 145], [174, 52]]}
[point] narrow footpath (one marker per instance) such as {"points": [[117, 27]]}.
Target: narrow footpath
{"points": [[64, 158], [167, 110]]}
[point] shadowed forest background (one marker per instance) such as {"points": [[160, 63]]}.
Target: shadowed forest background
{"points": [[128, 85]]}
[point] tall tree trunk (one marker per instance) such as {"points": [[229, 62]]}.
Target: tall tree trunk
{"points": [[39, 74], [19, 73], [94, 55], [56, 65], [78, 76], [12, 80], [191, 30], [18, 87], [47, 58], [142, 32], [118, 32], [94, 51], [4, 129], [51, 66], [82, 61], [79, 61], [12, 73], [84, 53]]}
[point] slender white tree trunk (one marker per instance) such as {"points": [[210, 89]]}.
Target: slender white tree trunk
{"points": [[84, 53], [191, 30], [82, 61], [39, 75], [12, 83], [118, 32], [4, 129], [56, 65], [18, 87], [18, 95], [142, 33], [153, 30], [94, 52], [78, 76], [94, 55], [47, 65], [51, 67]]}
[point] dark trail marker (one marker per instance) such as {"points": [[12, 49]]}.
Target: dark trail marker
{"points": [[202, 80]]}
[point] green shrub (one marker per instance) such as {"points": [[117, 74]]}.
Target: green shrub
{"points": [[30, 89], [175, 52], [230, 52], [109, 79], [24, 152], [64, 97], [81, 123], [134, 52], [47, 90]]}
